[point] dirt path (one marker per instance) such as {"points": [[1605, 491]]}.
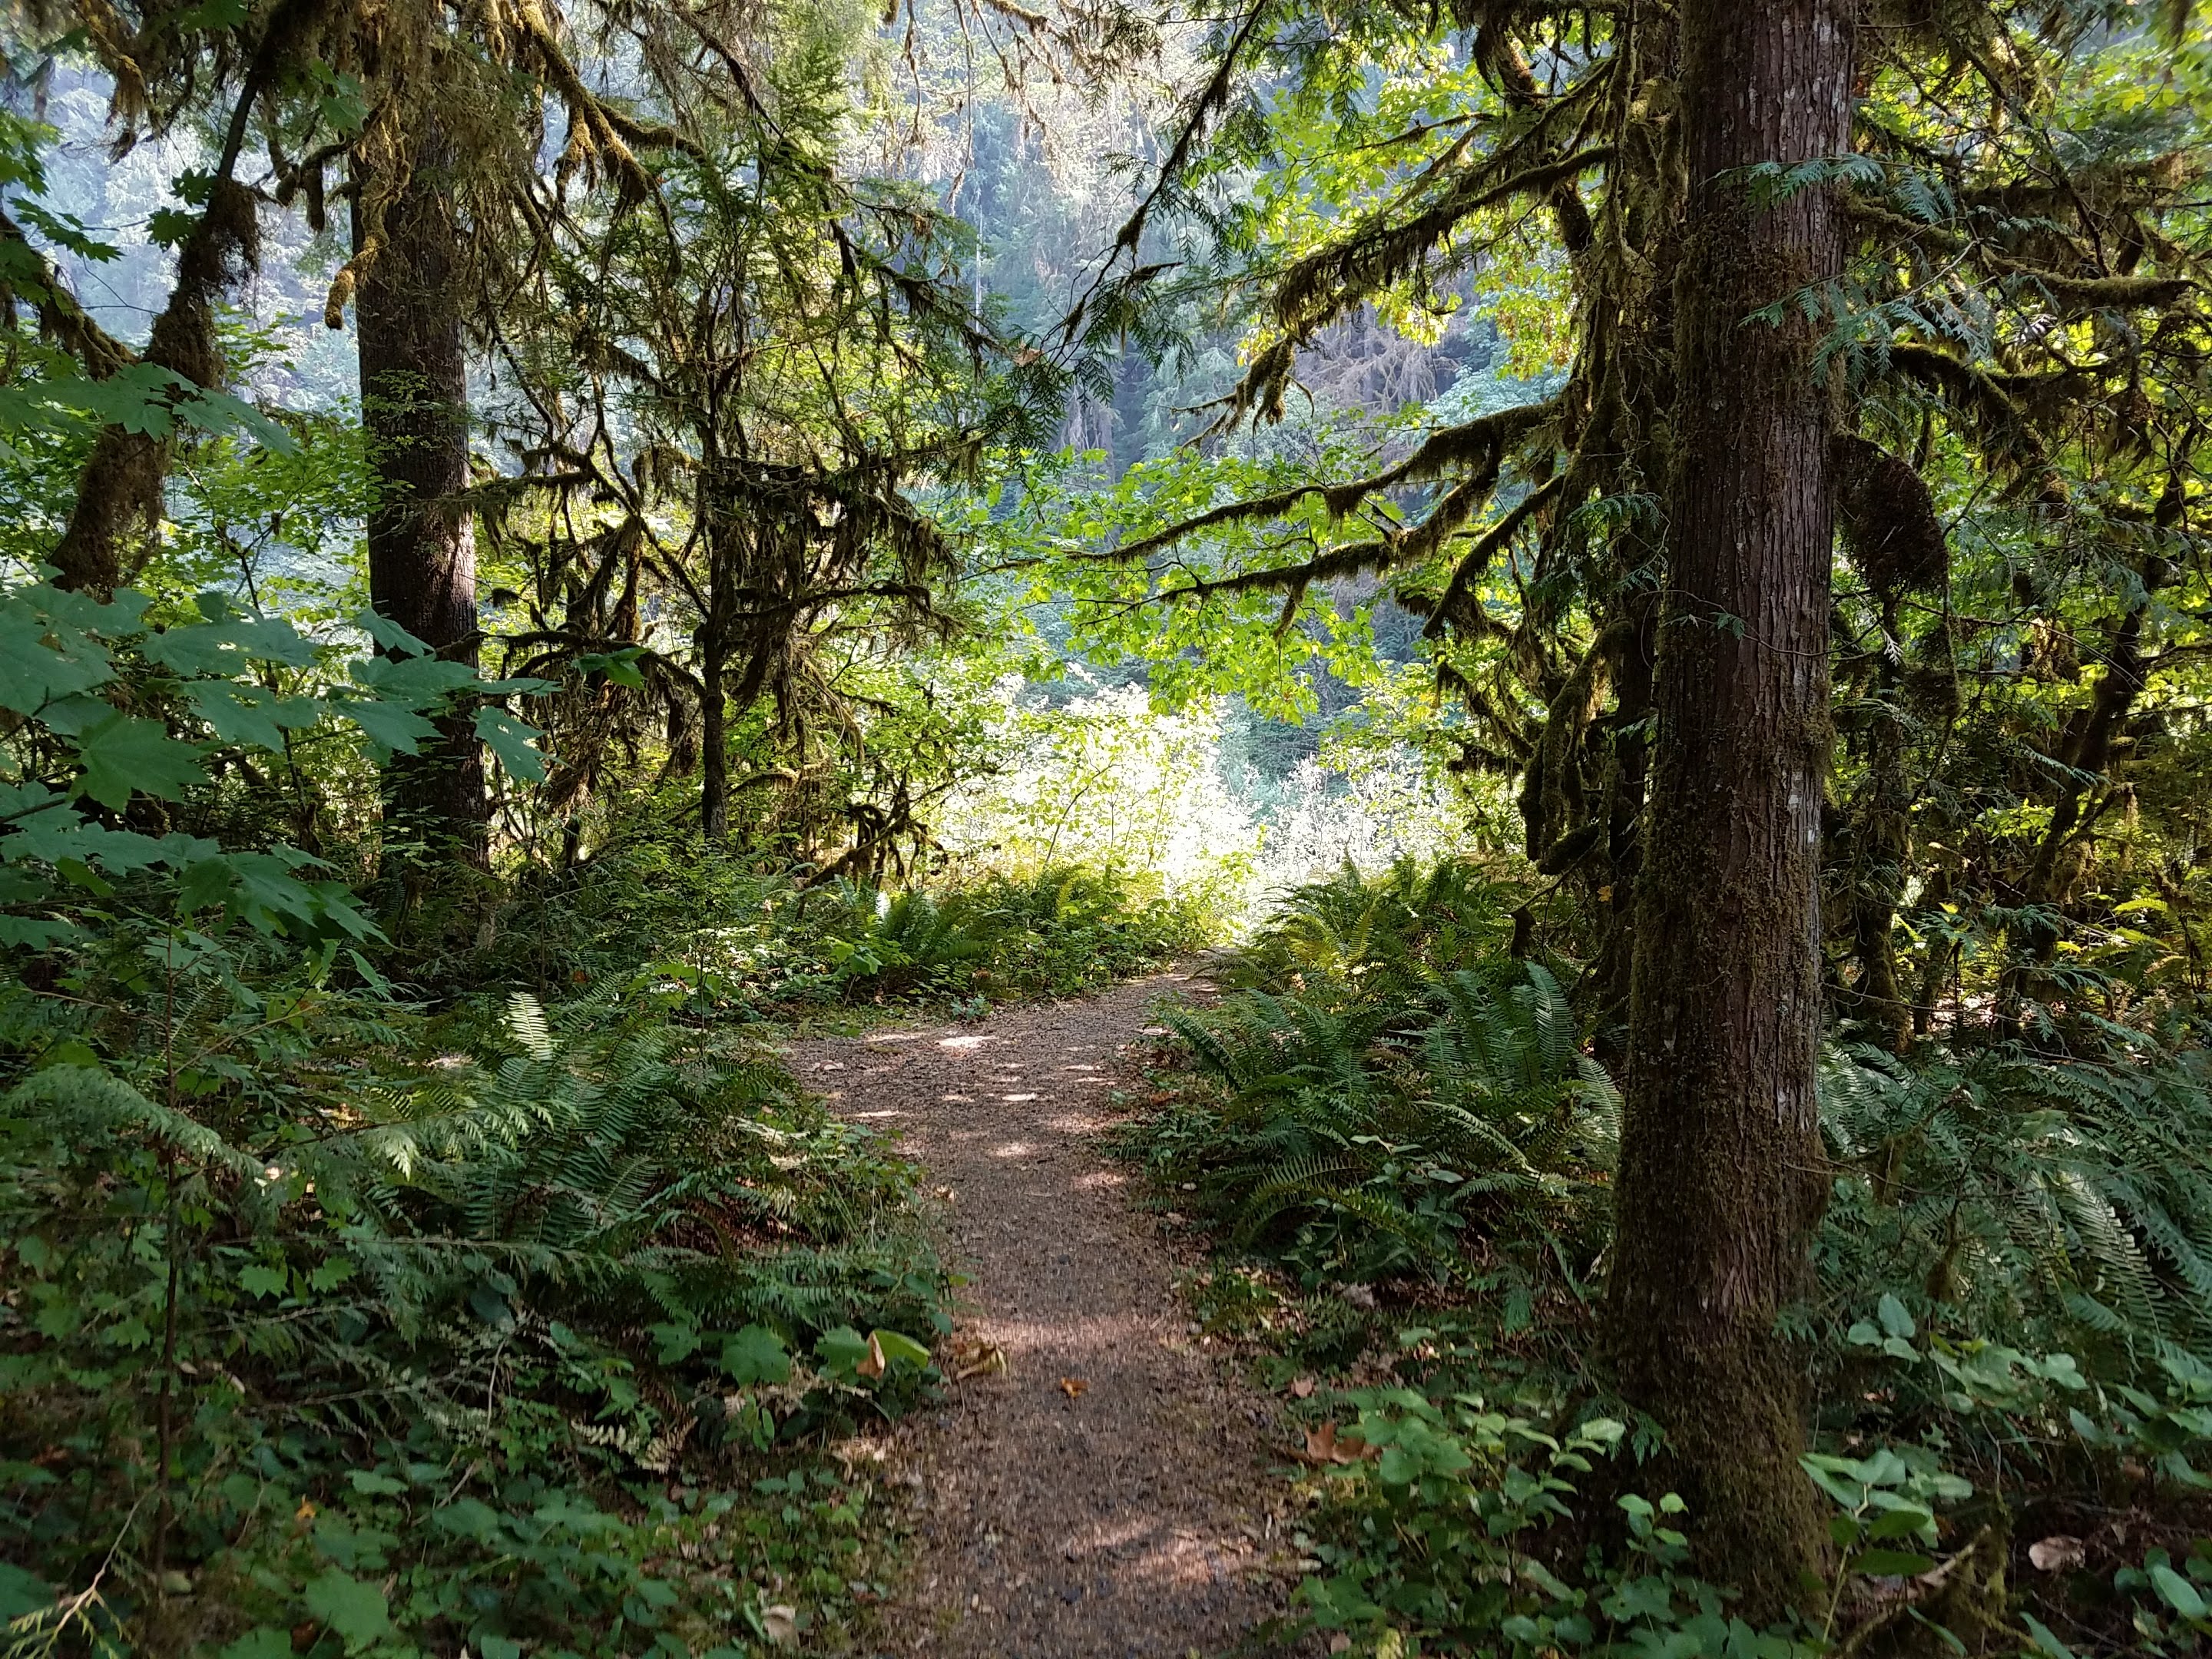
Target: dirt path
{"points": [[1099, 1496]]}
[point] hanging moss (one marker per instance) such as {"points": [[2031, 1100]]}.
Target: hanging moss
{"points": [[120, 490]]}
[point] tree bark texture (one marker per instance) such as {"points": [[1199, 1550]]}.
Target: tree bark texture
{"points": [[1879, 844], [120, 489], [719, 648], [713, 737], [1722, 1176], [421, 535]]}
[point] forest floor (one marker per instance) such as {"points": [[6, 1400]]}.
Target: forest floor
{"points": [[1096, 1486]]}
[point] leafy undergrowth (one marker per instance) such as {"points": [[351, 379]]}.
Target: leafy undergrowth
{"points": [[1402, 1150], [433, 1261], [512, 1329], [766, 946]]}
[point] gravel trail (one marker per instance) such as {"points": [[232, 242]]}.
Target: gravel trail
{"points": [[1097, 1488]]}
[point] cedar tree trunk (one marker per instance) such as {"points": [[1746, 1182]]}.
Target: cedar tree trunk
{"points": [[713, 737], [421, 536], [724, 546], [1722, 1176]]}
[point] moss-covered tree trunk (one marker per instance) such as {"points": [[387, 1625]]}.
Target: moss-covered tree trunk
{"points": [[1721, 1178], [713, 735], [120, 489], [422, 533], [1875, 840]]}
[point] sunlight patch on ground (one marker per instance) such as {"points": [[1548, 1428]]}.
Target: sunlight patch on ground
{"points": [[1097, 1333]]}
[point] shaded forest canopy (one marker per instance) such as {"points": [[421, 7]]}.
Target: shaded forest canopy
{"points": [[1645, 564]]}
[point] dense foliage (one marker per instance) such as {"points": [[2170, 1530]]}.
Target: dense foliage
{"points": [[871, 536], [1404, 1152], [492, 1288], [445, 1329]]}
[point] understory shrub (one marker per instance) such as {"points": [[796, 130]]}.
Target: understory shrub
{"points": [[1405, 1153], [335, 1326], [2062, 1201], [1361, 1144], [772, 945]]}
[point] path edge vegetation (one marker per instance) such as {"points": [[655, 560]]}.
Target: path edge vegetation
{"points": [[742, 381]]}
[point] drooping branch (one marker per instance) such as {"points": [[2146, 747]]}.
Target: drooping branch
{"points": [[61, 318], [123, 478], [1197, 118], [1481, 445], [1452, 609]]}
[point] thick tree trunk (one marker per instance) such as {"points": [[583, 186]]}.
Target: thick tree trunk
{"points": [[421, 536], [1627, 770], [728, 548], [1721, 1176], [120, 489], [713, 737]]}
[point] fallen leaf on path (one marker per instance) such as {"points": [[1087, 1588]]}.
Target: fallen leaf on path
{"points": [[972, 1357], [1303, 1388], [2056, 1554], [1073, 1387]]}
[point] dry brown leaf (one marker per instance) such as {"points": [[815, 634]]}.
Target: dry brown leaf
{"points": [[972, 1356], [781, 1624], [1073, 1387], [1303, 1388], [872, 1366], [1324, 1445], [2058, 1553]]}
